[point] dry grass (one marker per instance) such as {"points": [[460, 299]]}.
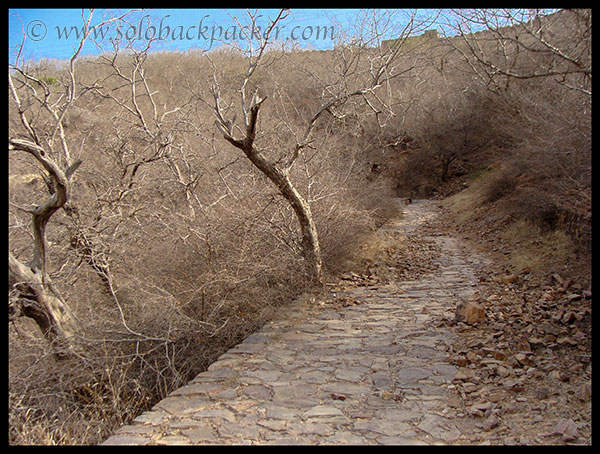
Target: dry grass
{"points": [[534, 250], [463, 204], [520, 241]]}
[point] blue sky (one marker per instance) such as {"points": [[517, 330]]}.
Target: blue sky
{"points": [[52, 33]]}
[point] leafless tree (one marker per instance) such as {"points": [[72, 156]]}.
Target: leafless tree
{"points": [[33, 294], [505, 44], [365, 71]]}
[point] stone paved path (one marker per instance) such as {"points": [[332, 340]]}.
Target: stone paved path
{"points": [[370, 373]]}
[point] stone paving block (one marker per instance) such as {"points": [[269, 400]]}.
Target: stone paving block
{"points": [[260, 392], [439, 427], [344, 438], [236, 431], [382, 381], [280, 412], [311, 428], [322, 410], [174, 440], [213, 414], [121, 440], [200, 435], [411, 375], [155, 417], [181, 405], [382, 426]]}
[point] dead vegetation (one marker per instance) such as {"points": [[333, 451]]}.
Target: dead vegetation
{"points": [[172, 246]]}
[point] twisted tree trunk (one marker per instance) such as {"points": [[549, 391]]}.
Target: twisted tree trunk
{"points": [[280, 177], [310, 238], [32, 292]]}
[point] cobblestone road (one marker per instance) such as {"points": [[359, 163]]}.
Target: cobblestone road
{"points": [[370, 373]]}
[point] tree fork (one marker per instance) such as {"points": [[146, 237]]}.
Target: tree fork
{"points": [[310, 239], [35, 296]]}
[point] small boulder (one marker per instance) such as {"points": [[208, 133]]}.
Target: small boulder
{"points": [[469, 312], [567, 428], [509, 278], [491, 422], [584, 392]]}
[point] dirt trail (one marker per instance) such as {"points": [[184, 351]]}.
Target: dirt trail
{"points": [[374, 365]]}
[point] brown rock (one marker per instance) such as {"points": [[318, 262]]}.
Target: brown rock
{"points": [[535, 341], [523, 359], [497, 396], [454, 402], [569, 317], [559, 375], [513, 385], [584, 392], [542, 393], [461, 362], [499, 355], [551, 329], [509, 278], [523, 344], [567, 428], [537, 374], [562, 340], [469, 387], [470, 312], [503, 371], [481, 406], [491, 422], [462, 375]]}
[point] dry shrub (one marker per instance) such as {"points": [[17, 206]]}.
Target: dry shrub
{"points": [[351, 218], [199, 248], [79, 401], [543, 251], [500, 186], [533, 207]]}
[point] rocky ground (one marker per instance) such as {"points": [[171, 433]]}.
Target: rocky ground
{"points": [[528, 365], [524, 355]]}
